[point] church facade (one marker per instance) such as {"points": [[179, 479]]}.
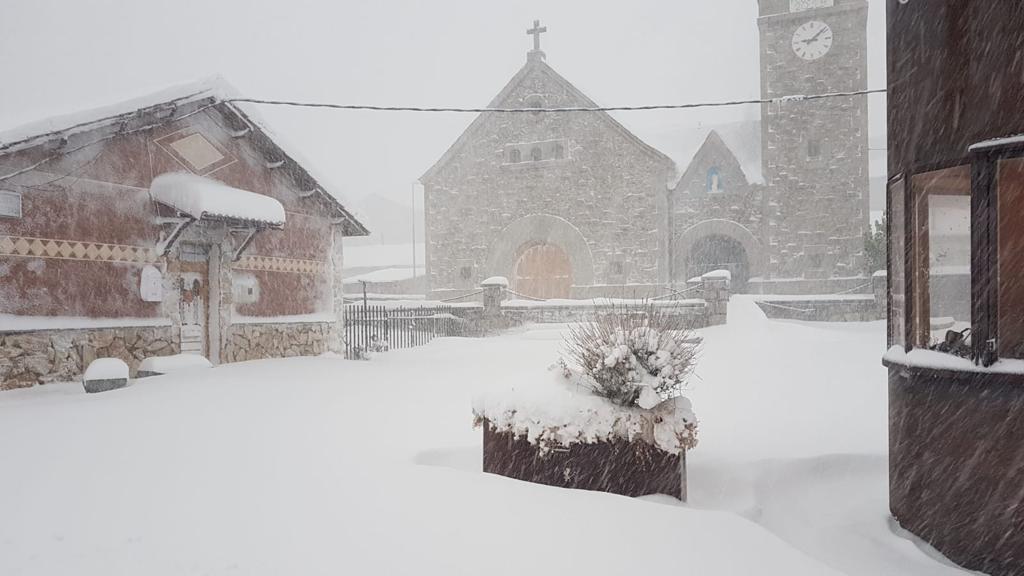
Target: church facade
{"points": [[573, 205]]}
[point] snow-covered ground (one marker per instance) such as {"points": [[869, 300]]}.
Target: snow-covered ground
{"points": [[326, 466]]}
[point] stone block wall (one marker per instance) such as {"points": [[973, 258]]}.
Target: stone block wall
{"points": [[256, 341], [39, 357]]}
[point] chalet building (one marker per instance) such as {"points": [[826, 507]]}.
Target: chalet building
{"points": [[175, 223], [956, 270]]}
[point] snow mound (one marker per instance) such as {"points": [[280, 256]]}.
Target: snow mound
{"points": [[552, 410], [106, 369], [199, 197], [495, 281], [174, 363]]}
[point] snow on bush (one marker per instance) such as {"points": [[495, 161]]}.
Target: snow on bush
{"points": [[638, 355], [621, 377]]}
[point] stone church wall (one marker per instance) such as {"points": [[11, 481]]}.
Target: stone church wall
{"points": [[608, 186]]}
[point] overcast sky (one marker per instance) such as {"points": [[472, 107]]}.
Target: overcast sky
{"points": [[59, 57]]}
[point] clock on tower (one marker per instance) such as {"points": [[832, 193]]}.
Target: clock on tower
{"points": [[814, 152]]}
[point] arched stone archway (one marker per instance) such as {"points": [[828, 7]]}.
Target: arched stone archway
{"points": [[538, 230], [722, 240]]}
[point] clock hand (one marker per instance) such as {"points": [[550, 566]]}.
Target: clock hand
{"points": [[820, 32]]}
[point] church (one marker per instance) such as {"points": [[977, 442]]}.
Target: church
{"points": [[571, 204]]}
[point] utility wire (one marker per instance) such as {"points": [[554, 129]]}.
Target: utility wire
{"points": [[781, 100], [777, 101]]}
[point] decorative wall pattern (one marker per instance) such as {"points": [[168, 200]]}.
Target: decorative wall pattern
{"points": [[75, 250], [275, 264]]}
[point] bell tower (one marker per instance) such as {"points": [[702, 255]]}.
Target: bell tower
{"points": [[814, 152]]}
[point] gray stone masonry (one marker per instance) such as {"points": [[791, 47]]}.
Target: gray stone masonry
{"points": [[256, 341], [39, 357]]}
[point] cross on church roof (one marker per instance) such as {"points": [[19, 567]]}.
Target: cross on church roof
{"points": [[536, 31]]}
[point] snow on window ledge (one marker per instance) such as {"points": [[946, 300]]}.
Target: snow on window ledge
{"points": [[934, 360], [316, 318]]}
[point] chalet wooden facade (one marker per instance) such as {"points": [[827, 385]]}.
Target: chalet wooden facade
{"points": [[956, 270], [174, 223]]}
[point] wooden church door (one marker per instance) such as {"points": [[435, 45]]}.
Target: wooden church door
{"points": [[543, 271]]}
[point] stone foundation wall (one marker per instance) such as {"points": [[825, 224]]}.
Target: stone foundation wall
{"points": [[256, 341], [42, 356]]}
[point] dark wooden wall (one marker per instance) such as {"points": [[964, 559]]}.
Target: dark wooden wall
{"points": [[955, 77]]}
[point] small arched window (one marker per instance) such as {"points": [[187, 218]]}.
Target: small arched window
{"points": [[714, 185], [536, 154], [558, 151], [515, 156]]}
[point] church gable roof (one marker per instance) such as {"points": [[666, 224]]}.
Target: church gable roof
{"points": [[713, 147], [741, 139], [536, 67]]}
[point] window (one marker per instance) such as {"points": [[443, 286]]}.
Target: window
{"points": [[813, 149], [897, 265], [10, 204], [536, 154], [558, 151], [618, 269], [942, 254], [515, 156], [714, 182], [191, 252], [466, 272], [1010, 287]]}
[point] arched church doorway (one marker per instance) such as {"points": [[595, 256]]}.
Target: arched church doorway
{"points": [[719, 252], [542, 271]]}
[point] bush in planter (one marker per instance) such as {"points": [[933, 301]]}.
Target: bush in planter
{"points": [[612, 420], [633, 355]]}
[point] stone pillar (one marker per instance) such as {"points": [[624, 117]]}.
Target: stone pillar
{"points": [[879, 282], [494, 292], [336, 337], [715, 288]]}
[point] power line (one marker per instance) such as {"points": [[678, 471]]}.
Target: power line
{"points": [[374, 108], [776, 101]]}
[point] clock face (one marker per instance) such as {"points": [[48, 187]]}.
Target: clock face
{"points": [[812, 40]]}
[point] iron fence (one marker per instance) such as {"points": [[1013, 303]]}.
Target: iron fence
{"points": [[382, 328]]}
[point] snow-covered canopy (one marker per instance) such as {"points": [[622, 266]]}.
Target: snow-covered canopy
{"points": [[205, 198]]}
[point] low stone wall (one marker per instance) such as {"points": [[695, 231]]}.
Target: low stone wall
{"points": [[858, 308], [517, 315], [276, 340], [42, 356]]}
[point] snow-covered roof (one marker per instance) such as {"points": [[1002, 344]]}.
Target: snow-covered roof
{"points": [[205, 198], [195, 95]]}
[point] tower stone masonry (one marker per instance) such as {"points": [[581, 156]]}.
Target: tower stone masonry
{"points": [[814, 152]]}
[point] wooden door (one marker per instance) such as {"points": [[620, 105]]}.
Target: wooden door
{"points": [[194, 306], [543, 271]]}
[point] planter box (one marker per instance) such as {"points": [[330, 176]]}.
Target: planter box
{"points": [[629, 468]]}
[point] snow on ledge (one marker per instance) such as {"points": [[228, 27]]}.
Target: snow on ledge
{"points": [[499, 281], [551, 410], [718, 275], [15, 323], [200, 197], [316, 318], [997, 142], [931, 359], [601, 303]]}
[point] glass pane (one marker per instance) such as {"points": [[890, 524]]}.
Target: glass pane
{"points": [[1010, 182], [897, 265], [942, 258], [949, 264]]}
